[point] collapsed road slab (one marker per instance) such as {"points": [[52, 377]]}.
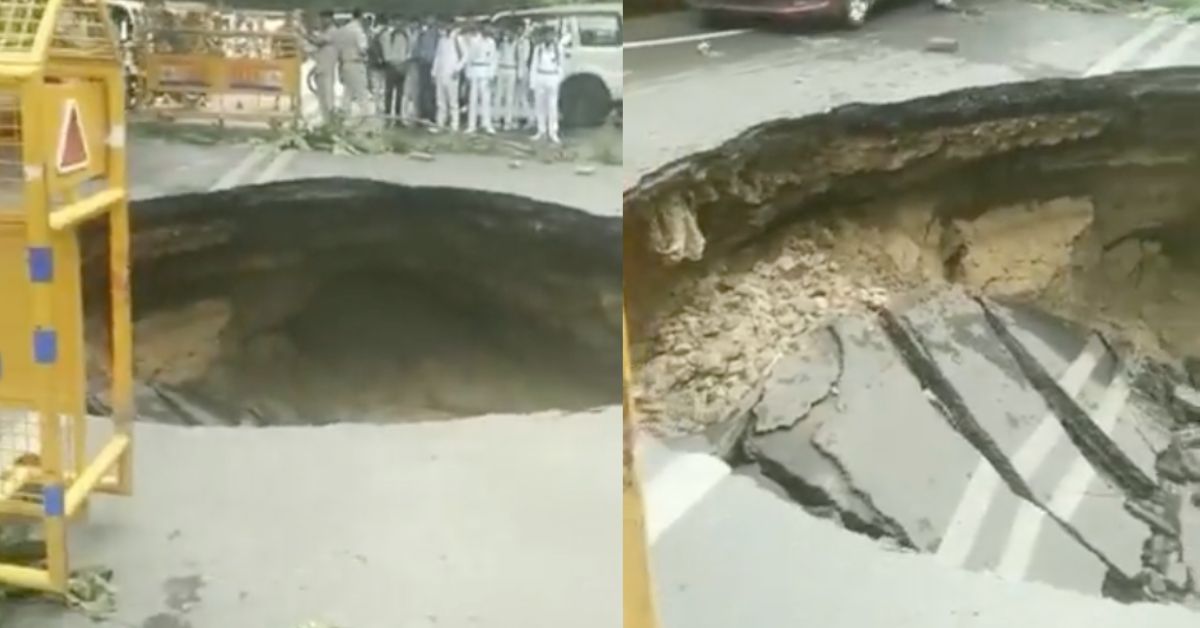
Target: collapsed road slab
{"points": [[873, 440], [1010, 489], [997, 530]]}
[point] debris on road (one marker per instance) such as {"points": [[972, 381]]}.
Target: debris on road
{"points": [[941, 44]]}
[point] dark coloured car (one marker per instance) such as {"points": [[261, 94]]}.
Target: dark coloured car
{"points": [[852, 13]]}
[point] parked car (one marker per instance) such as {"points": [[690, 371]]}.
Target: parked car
{"points": [[592, 87], [852, 13]]}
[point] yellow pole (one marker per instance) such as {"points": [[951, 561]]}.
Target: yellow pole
{"points": [[43, 337], [121, 332], [639, 593]]}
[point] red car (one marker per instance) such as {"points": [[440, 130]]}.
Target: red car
{"points": [[852, 13]]}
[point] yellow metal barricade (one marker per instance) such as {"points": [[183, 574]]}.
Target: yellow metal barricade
{"points": [[206, 67], [639, 608], [62, 164]]}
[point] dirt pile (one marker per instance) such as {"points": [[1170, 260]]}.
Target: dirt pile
{"points": [[1077, 195], [349, 301]]}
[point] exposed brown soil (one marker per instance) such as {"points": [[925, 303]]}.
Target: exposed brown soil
{"points": [[1079, 195]]}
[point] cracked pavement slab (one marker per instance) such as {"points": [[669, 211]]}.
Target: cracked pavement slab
{"points": [[1049, 512]]}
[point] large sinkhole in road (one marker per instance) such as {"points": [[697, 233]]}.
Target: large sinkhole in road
{"points": [[342, 300], [846, 302]]}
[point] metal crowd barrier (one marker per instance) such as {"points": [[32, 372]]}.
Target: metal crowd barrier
{"points": [[198, 74], [62, 165]]}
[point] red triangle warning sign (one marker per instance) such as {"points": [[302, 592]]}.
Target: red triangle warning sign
{"points": [[72, 142]]}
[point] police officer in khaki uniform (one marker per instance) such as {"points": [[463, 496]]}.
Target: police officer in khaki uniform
{"points": [[351, 43]]}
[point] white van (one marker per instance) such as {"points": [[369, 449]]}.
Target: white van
{"points": [[594, 78]]}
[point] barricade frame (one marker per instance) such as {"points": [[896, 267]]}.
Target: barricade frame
{"points": [[60, 64]]}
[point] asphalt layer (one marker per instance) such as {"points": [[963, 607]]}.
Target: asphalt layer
{"points": [[680, 101], [731, 546]]}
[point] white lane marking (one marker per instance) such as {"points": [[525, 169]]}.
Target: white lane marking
{"points": [[967, 520], [1132, 46], [235, 174], [678, 486], [1173, 50], [1067, 495], [683, 39], [271, 172]]}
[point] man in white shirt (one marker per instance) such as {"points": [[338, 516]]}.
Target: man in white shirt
{"points": [[546, 68], [448, 63], [482, 62], [508, 72]]}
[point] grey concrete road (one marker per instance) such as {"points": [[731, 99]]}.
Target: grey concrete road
{"points": [[505, 521], [500, 521], [162, 168], [680, 101], [745, 557]]}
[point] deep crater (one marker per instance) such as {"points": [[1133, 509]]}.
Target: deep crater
{"points": [[832, 301], [340, 300], [1078, 196]]}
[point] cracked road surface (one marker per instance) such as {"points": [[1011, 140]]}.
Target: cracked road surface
{"points": [[906, 446], [1026, 443]]}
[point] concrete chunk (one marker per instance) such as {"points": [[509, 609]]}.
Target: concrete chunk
{"points": [[798, 382]]}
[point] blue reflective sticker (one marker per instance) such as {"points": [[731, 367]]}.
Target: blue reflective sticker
{"points": [[45, 346], [41, 264], [52, 500]]}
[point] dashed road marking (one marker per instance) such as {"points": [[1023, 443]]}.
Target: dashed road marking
{"points": [[1173, 50], [235, 174], [271, 172], [677, 487], [984, 484], [1067, 495], [683, 39], [1122, 54]]}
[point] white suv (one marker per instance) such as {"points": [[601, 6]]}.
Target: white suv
{"points": [[592, 86]]}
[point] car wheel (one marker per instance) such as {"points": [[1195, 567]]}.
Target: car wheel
{"points": [[584, 102], [856, 12]]}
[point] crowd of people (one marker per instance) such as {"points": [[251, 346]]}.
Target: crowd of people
{"points": [[418, 72]]}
